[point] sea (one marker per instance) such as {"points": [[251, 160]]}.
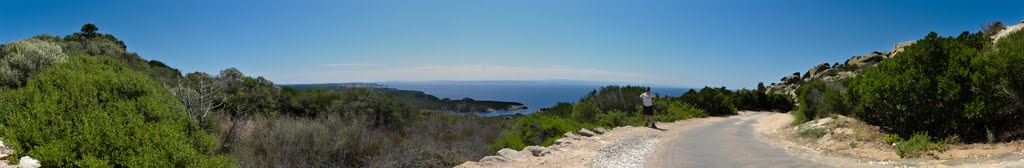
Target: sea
{"points": [[534, 94]]}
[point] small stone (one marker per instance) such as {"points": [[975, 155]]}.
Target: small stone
{"points": [[512, 154], [563, 141], [586, 132], [498, 159], [600, 130], [538, 151]]}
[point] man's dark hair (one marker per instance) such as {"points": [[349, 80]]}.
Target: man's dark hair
{"points": [[648, 88]]}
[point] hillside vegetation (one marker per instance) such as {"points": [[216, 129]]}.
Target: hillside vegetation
{"points": [[83, 100], [965, 88]]}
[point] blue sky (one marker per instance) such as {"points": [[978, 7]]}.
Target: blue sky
{"points": [[672, 42]]}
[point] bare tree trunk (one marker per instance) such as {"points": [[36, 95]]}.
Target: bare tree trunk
{"points": [[226, 145]]}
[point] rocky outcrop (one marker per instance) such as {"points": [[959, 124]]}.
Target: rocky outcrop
{"points": [[899, 48], [816, 70], [1005, 32], [791, 78], [867, 59]]}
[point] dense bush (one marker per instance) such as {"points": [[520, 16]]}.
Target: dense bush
{"points": [[381, 109], [1000, 86], [931, 87], [673, 110], [301, 142], [821, 99], [21, 59], [744, 99], [110, 116], [919, 144], [714, 101], [622, 98]]}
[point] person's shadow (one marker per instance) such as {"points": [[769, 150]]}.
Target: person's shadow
{"points": [[660, 129]]}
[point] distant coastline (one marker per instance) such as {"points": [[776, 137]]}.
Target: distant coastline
{"points": [[422, 100]]}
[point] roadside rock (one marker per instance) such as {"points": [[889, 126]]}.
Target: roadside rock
{"points": [[29, 162], [563, 141], [587, 133], [537, 151], [512, 154], [600, 130], [570, 135], [494, 159]]}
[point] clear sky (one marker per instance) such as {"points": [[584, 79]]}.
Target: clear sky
{"points": [[673, 42]]}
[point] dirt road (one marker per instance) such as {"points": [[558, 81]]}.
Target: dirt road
{"points": [[725, 143]]}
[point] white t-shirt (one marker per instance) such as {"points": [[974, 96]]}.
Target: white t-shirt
{"points": [[648, 98]]}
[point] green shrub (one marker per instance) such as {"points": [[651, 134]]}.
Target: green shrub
{"points": [[821, 99], [109, 116], [561, 109], [714, 101], [779, 102], [892, 138], [622, 98], [760, 101], [918, 145], [538, 130], [585, 111], [617, 118], [510, 139], [674, 110], [935, 86], [812, 133]]}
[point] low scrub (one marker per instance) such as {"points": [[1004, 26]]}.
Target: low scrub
{"points": [[919, 144], [433, 139], [812, 133], [821, 99]]}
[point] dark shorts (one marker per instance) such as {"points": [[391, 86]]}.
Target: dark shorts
{"points": [[648, 110]]}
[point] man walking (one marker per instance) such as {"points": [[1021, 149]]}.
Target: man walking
{"points": [[648, 100]]}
